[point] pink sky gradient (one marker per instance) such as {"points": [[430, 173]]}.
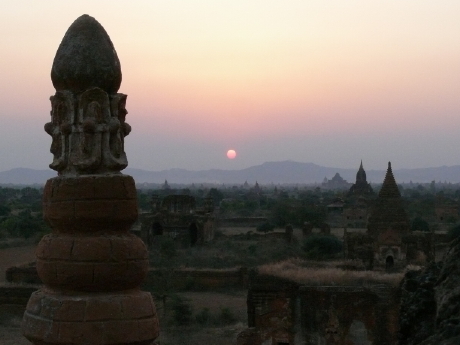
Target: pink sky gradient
{"points": [[328, 82]]}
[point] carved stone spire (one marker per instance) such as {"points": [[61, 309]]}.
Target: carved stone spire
{"points": [[87, 115], [90, 264]]}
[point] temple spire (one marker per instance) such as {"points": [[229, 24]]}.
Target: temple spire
{"points": [[389, 187], [388, 211], [361, 174]]}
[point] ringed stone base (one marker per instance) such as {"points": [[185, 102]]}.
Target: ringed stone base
{"points": [[93, 319]]}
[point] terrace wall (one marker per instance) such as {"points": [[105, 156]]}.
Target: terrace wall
{"points": [[158, 278], [285, 313]]}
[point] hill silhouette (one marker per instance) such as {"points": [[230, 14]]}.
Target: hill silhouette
{"points": [[285, 172]]}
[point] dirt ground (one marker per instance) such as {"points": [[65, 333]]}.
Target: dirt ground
{"points": [[195, 334], [11, 315], [15, 257], [10, 323]]}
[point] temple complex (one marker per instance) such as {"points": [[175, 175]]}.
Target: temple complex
{"points": [[90, 264], [178, 217], [388, 241], [388, 223], [287, 312], [337, 182]]}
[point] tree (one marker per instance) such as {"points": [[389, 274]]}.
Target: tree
{"points": [[418, 224], [453, 233], [143, 201], [322, 246], [4, 210], [216, 195], [265, 227], [182, 311]]}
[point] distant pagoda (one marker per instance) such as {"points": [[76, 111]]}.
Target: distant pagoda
{"points": [[361, 187], [388, 211]]}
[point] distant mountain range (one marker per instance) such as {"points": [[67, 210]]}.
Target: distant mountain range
{"points": [[287, 172]]}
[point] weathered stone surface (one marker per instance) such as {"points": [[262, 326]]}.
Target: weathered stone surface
{"points": [[431, 313], [92, 263], [86, 58], [282, 312], [418, 305], [101, 203], [91, 319], [88, 132]]}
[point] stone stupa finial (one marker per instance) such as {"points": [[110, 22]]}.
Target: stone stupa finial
{"points": [[91, 266], [87, 117], [86, 58]]}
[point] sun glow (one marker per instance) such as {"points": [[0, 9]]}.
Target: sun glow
{"points": [[231, 154]]}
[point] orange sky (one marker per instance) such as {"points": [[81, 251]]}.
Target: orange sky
{"points": [[329, 82]]}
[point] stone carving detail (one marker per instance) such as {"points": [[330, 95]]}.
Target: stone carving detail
{"points": [[60, 127], [88, 132], [115, 156]]}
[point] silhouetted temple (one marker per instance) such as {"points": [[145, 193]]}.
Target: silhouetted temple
{"points": [[361, 187], [388, 241], [388, 223], [388, 211], [337, 182]]}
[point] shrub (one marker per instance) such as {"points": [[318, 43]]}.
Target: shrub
{"points": [[203, 317], [182, 312], [167, 247], [265, 227], [252, 249], [227, 317], [189, 283], [321, 246], [419, 224], [453, 233]]}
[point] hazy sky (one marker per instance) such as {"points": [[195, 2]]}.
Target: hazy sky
{"points": [[328, 82]]}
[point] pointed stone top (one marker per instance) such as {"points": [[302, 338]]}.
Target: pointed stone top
{"points": [[86, 58], [389, 188], [361, 174]]}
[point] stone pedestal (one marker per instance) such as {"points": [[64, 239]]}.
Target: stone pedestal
{"points": [[91, 267]]}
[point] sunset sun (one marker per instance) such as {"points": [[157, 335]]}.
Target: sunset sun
{"points": [[231, 154]]}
